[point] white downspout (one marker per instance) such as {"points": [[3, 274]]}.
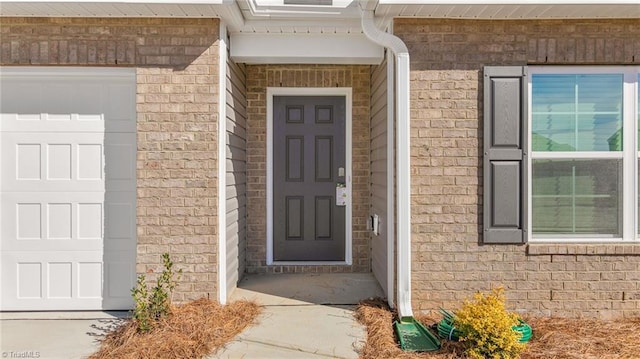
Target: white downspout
{"points": [[222, 166], [403, 175]]}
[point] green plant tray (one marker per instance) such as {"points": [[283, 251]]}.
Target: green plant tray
{"points": [[415, 337], [446, 331]]}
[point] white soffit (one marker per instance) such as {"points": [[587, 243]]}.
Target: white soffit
{"points": [[514, 9], [304, 49]]}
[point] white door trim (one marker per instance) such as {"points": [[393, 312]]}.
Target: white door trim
{"points": [[309, 91]]}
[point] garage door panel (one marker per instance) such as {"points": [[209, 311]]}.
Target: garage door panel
{"points": [[120, 278], [28, 221], [120, 105], [52, 122], [54, 162], [28, 161], [85, 98], [89, 279], [60, 162], [15, 95], [53, 221], [29, 279], [84, 93], [119, 249], [60, 280], [56, 97], [120, 231], [120, 166], [50, 280], [67, 188]]}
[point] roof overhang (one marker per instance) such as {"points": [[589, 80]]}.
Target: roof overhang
{"points": [[239, 14], [268, 31], [224, 9], [509, 9], [305, 48]]}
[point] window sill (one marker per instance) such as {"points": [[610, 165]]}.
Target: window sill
{"points": [[593, 249]]}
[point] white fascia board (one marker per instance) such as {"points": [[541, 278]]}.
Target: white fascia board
{"points": [[305, 49], [507, 2], [226, 9], [115, 2]]}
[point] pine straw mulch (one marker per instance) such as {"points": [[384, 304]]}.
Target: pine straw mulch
{"points": [[553, 338], [193, 330]]}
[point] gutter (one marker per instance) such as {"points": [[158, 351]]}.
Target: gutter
{"points": [[403, 175]]}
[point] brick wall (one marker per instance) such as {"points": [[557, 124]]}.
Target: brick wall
{"points": [[177, 105], [449, 264], [259, 77]]}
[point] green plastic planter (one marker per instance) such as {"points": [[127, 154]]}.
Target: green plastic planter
{"points": [[446, 330]]}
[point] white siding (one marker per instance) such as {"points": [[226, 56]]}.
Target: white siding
{"points": [[236, 179], [379, 162]]}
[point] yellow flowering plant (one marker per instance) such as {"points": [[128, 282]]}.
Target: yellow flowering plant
{"points": [[487, 327]]}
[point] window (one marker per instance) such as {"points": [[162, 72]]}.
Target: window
{"points": [[583, 171]]}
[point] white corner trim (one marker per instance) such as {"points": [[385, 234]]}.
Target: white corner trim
{"points": [[311, 91], [222, 165], [391, 234]]}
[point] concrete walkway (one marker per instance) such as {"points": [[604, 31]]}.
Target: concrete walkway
{"points": [[305, 316], [54, 335]]}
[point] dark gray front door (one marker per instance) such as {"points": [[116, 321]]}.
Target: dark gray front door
{"points": [[308, 164]]}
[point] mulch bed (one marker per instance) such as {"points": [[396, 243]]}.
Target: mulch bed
{"points": [[193, 330], [553, 338]]}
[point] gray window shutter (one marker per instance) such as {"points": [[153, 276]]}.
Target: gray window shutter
{"points": [[505, 158]]}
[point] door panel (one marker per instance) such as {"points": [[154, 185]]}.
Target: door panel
{"points": [[308, 150], [324, 214]]}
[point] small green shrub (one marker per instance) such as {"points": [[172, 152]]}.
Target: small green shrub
{"points": [[487, 328], [152, 306], [140, 296]]}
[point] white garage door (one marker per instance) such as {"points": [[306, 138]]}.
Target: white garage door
{"points": [[67, 188]]}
